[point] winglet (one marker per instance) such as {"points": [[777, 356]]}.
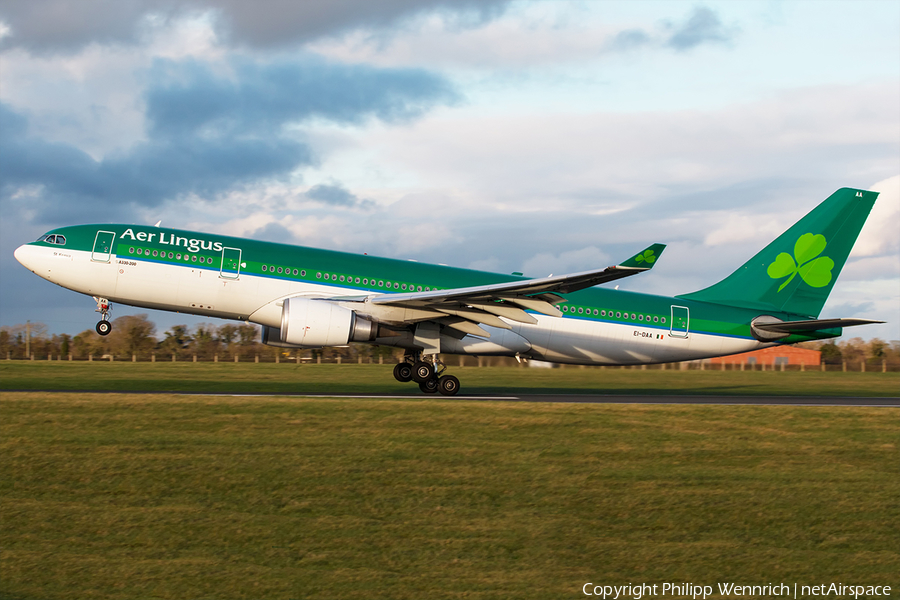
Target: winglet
{"points": [[645, 259]]}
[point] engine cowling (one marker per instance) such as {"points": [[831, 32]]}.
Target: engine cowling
{"points": [[311, 323]]}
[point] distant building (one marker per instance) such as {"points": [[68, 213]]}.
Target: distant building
{"points": [[776, 355]]}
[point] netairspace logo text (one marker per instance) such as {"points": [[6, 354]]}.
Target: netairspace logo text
{"points": [[684, 590]]}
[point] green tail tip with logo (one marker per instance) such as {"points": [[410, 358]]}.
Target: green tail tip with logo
{"points": [[645, 259], [795, 273]]}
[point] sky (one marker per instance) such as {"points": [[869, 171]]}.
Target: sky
{"points": [[540, 137]]}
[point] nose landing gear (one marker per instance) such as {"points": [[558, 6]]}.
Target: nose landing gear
{"points": [[103, 307], [427, 374]]}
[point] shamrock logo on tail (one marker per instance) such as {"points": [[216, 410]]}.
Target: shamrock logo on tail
{"points": [[646, 256], [814, 271]]}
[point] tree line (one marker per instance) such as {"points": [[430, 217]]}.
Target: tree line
{"points": [[135, 335]]}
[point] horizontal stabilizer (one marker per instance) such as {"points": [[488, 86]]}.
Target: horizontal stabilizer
{"points": [[813, 325], [770, 328]]}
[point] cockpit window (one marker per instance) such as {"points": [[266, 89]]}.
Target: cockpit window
{"points": [[59, 240]]}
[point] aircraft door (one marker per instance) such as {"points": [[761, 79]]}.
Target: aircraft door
{"points": [[680, 321], [103, 244], [231, 263]]}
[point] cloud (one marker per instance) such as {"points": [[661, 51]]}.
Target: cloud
{"points": [[65, 26], [336, 195], [572, 261], [189, 98], [715, 159], [274, 232], [289, 21], [530, 36], [76, 186], [701, 27], [209, 133], [879, 235]]}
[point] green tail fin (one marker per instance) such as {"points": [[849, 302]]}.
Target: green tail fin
{"points": [[796, 272]]}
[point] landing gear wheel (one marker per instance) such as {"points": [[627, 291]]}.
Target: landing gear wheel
{"points": [[403, 372], [448, 385], [104, 327], [429, 386], [422, 372]]}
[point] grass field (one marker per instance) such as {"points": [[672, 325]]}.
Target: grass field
{"points": [[343, 379], [167, 496]]}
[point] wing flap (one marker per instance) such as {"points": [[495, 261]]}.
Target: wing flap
{"points": [[477, 316], [505, 310]]}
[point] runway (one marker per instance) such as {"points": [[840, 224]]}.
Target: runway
{"points": [[694, 399], [645, 399], [729, 400]]}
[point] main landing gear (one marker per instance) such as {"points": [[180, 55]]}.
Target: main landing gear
{"points": [[103, 307], [427, 375]]}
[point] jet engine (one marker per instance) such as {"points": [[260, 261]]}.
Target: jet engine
{"points": [[310, 323]]}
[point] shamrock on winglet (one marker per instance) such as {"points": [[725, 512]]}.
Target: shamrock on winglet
{"points": [[646, 256]]}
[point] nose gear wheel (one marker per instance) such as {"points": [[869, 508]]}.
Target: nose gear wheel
{"points": [[103, 307]]}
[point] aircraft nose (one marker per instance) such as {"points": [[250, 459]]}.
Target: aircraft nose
{"points": [[25, 255]]}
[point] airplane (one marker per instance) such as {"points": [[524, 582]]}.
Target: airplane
{"points": [[313, 298]]}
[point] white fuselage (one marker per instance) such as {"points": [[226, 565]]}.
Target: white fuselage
{"points": [[204, 291]]}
